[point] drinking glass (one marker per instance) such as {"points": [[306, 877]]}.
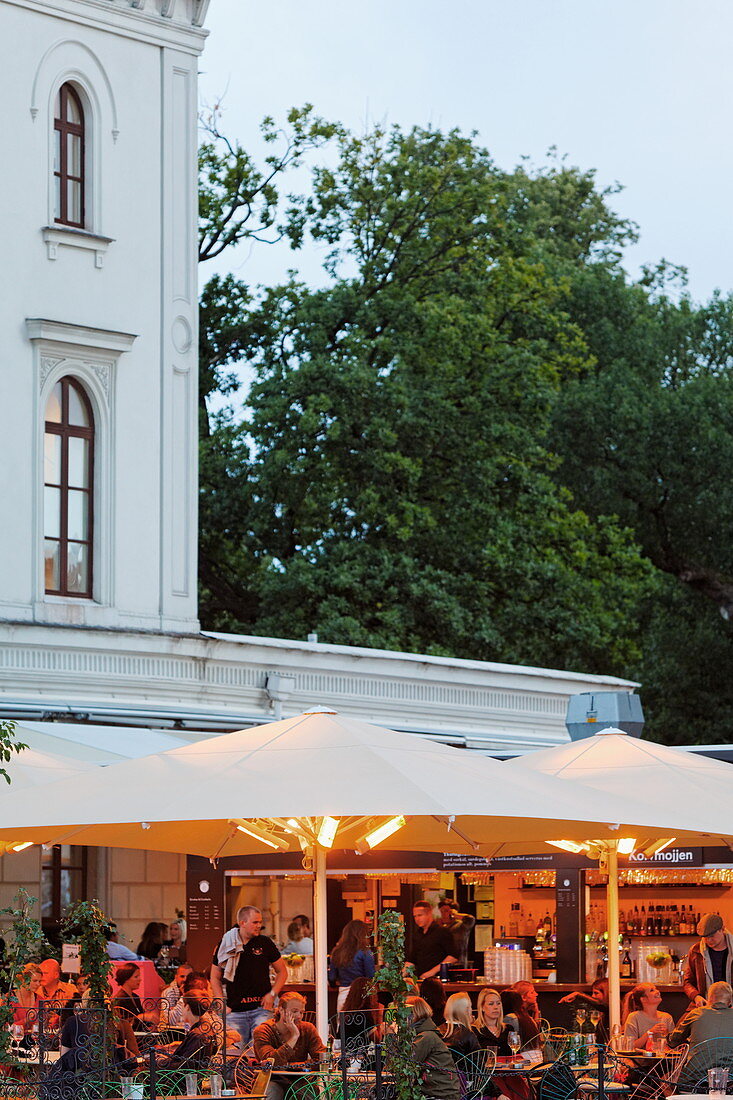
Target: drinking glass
{"points": [[595, 1016], [17, 1033], [215, 1082], [191, 1084], [659, 1044], [126, 1087], [514, 1040], [717, 1081]]}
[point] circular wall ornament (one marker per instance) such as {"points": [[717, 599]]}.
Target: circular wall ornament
{"points": [[181, 335]]}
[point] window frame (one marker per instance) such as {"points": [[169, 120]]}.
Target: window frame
{"points": [[52, 865], [67, 431], [65, 130]]}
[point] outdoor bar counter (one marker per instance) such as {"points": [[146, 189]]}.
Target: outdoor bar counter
{"points": [[674, 999]]}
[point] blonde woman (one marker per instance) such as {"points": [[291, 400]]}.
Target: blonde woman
{"points": [[24, 1000], [457, 1031], [642, 1020], [491, 1031]]}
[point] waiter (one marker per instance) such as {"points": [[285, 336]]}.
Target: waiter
{"points": [[432, 944], [459, 925]]}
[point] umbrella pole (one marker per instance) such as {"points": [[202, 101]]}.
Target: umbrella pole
{"points": [[320, 919], [614, 980]]}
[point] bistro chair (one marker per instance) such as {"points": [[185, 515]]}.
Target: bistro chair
{"points": [[662, 1076], [475, 1071], [710, 1054], [554, 1042], [251, 1079], [558, 1082]]}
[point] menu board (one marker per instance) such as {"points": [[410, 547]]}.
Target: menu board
{"points": [[205, 914]]}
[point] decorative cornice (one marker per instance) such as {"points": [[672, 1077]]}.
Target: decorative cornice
{"points": [[58, 236], [78, 336]]}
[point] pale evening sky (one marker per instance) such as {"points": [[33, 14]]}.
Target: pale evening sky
{"points": [[638, 89]]}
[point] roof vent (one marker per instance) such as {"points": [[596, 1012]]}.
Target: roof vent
{"points": [[592, 712]]}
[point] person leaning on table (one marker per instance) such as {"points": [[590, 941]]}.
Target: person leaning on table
{"points": [[714, 1021], [709, 960], [286, 1040]]}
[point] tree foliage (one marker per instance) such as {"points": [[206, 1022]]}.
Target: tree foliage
{"points": [[399, 489], [479, 436]]}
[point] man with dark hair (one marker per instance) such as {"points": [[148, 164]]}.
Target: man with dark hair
{"points": [[241, 967], [199, 1043], [432, 945], [117, 951], [459, 925]]}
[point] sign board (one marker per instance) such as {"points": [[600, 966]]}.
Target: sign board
{"points": [[205, 913], [70, 958], [457, 861], [669, 857]]}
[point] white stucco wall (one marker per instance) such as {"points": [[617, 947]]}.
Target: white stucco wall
{"points": [[136, 71]]}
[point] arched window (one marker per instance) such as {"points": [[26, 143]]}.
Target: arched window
{"points": [[69, 156], [68, 490]]}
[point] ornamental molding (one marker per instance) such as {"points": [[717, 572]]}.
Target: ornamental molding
{"points": [[81, 338], [47, 365]]}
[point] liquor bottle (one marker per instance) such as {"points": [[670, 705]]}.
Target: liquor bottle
{"points": [[643, 930], [637, 921], [530, 927], [683, 921], [667, 927], [675, 921], [626, 962], [521, 923], [548, 924], [513, 932], [658, 921]]}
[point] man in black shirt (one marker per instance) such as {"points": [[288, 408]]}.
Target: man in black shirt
{"points": [[431, 943], [240, 973]]}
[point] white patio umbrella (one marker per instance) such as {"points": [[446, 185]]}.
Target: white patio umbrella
{"points": [[32, 768], [307, 783], [690, 796]]}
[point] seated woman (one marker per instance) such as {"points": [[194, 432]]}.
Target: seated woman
{"points": [[518, 1019], [25, 999], [642, 1021], [126, 999], [432, 991], [439, 1078], [360, 1018], [596, 999], [153, 938], [457, 1031], [491, 1031]]}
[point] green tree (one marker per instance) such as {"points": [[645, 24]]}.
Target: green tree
{"points": [[9, 746], [400, 487]]}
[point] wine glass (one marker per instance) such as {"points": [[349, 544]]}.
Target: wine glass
{"points": [[514, 1040], [595, 1017]]}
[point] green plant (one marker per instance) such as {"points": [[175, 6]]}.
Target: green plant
{"points": [[24, 943], [8, 746], [85, 923], [390, 976]]}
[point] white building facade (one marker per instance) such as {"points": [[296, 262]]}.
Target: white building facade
{"points": [[101, 653]]}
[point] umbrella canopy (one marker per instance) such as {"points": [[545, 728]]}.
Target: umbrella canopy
{"points": [[31, 768], [321, 763], [689, 795]]}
